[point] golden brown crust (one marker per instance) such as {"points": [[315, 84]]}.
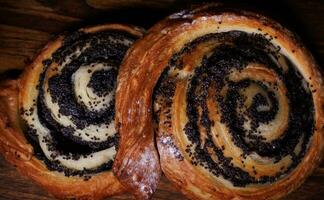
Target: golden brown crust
{"points": [[19, 152], [143, 67]]}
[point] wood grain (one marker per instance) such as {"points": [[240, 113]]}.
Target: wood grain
{"points": [[26, 26]]}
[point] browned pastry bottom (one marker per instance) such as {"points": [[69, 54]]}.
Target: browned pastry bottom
{"points": [[24, 113], [237, 107]]}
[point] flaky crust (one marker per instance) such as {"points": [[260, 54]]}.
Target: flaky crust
{"points": [[138, 76], [16, 149]]}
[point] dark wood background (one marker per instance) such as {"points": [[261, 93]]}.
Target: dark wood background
{"points": [[26, 26]]}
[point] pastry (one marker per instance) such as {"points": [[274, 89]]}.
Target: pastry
{"points": [[235, 101], [57, 120]]}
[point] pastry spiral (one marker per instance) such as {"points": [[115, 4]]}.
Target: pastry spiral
{"points": [[66, 103], [235, 100]]}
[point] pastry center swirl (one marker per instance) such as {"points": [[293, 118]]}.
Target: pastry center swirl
{"points": [[71, 122], [242, 110]]}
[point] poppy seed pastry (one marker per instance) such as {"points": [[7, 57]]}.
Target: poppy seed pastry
{"points": [[235, 101], [58, 128]]}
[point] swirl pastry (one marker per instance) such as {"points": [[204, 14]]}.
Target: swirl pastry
{"points": [[64, 104], [235, 100]]}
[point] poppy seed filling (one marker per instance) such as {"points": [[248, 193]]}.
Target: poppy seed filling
{"points": [[244, 105], [71, 122]]}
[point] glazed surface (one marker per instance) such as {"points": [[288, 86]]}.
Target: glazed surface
{"points": [[233, 100]]}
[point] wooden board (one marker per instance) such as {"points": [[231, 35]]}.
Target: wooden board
{"points": [[26, 26]]}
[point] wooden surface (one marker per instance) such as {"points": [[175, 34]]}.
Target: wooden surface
{"points": [[26, 26]]}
